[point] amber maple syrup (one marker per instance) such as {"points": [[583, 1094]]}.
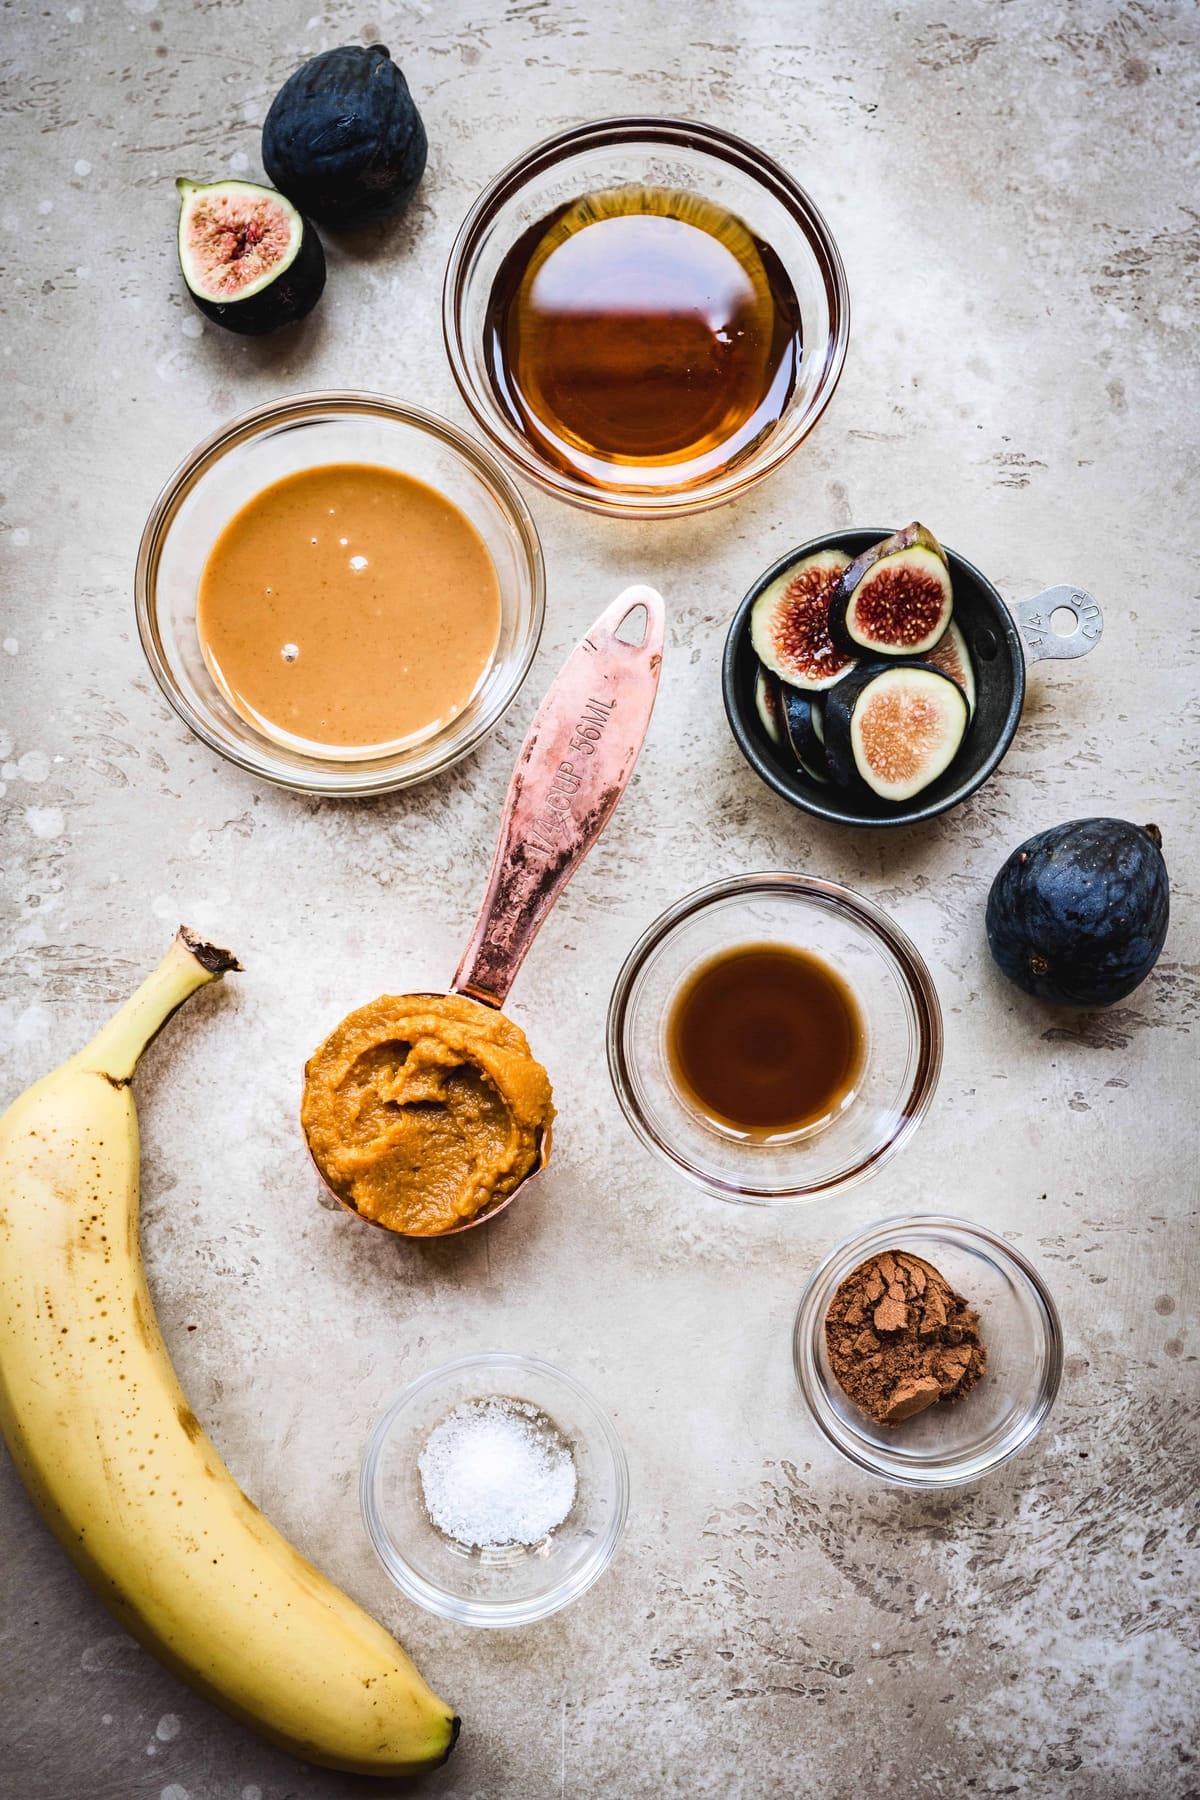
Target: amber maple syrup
{"points": [[766, 1041], [642, 332]]}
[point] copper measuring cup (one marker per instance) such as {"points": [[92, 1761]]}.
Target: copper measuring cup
{"points": [[574, 764]]}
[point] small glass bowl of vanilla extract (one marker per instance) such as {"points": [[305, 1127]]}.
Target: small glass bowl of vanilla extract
{"points": [[645, 315], [776, 1038]]}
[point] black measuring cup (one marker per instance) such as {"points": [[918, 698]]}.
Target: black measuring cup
{"points": [[1001, 642]]}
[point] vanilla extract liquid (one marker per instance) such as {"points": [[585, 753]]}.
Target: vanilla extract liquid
{"points": [[766, 1041], [642, 330]]}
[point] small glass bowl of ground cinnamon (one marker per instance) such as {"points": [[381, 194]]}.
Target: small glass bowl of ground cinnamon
{"points": [[928, 1350]]}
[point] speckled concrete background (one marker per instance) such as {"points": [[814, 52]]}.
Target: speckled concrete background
{"points": [[1015, 196]]}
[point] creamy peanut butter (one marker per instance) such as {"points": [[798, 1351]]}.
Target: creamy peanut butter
{"points": [[349, 608]]}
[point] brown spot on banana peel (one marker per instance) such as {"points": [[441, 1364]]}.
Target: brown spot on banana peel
{"points": [[189, 1421], [141, 1323]]}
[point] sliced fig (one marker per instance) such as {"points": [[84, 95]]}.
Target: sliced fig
{"points": [[769, 706], [894, 727], [789, 623], [251, 262], [818, 721], [804, 735], [895, 599], [953, 658]]}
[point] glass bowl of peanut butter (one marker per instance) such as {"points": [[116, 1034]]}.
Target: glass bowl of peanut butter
{"points": [[339, 593]]}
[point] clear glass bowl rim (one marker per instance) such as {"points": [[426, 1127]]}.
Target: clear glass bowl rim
{"points": [[860, 1244], [481, 1612], [921, 991], [653, 129], [390, 772]]}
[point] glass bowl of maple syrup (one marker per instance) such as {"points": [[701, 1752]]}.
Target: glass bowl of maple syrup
{"points": [[776, 1038], [646, 316]]}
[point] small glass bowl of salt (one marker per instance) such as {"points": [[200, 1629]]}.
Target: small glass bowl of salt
{"points": [[494, 1489]]}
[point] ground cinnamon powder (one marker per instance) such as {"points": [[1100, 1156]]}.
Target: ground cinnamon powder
{"points": [[900, 1339]]}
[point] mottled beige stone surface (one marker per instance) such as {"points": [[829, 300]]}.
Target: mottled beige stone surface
{"points": [[1014, 189]]}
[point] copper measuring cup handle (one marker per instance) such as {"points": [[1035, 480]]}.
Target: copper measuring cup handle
{"points": [[571, 772]]}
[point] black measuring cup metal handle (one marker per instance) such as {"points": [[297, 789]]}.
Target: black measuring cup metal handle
{"points": [[1039, 636]]}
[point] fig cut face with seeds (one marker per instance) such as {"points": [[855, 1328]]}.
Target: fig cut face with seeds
{"points": [[789, 623], [894, 727], [769, 705], [953, 658], [895, 599], [251, 262]]}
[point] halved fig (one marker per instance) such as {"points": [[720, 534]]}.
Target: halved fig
{"points": [[805, 736], [894, 599], [894, 727], [953, 658], [251, 262], [769, 706], [789, 623]]}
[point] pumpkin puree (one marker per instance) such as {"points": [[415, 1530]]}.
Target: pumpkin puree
{"points": [[422, 1110]]}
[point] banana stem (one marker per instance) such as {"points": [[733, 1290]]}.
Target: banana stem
{"points": [[189, 964]]}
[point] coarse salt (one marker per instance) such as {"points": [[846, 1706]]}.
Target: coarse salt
{"points": [[497, 1472]]}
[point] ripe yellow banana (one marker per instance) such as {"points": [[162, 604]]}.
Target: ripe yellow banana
{"points": [[120, 1467]]}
